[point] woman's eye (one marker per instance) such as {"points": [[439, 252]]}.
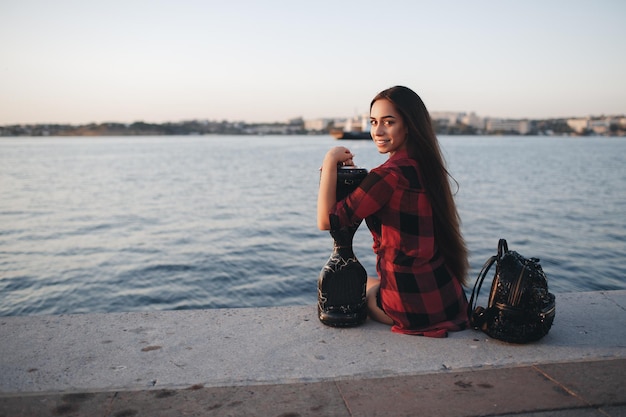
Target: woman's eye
{"points": [[373, 122]]}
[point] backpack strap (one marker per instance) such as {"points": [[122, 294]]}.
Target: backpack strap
{"points": [[515, 293], [479, 282], [503, 248]]}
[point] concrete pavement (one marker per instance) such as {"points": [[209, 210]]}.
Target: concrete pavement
{"points": [[283, 361]]}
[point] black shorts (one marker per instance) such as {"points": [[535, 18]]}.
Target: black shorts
{"points": [[379, 303]]}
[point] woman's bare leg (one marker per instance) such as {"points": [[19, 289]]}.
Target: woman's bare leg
{"points": [[375, 312]]}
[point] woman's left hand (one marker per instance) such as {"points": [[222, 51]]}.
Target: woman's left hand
{"points": [[339, 155], [326, 198]]}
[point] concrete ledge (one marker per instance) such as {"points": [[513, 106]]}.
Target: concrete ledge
{"points": [[574, 389], [263, 346]]}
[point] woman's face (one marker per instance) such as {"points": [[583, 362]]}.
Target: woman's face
{"points": [[388, 129]]}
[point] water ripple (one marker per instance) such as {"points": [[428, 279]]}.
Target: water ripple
{"points": [[123, 224]]}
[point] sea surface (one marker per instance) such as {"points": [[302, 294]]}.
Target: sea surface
{"points": [[112, 224]]}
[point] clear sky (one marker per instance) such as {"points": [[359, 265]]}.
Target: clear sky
{"points": [[89, 61]]}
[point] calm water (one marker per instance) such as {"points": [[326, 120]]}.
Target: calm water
{"points": [[131, 224]]}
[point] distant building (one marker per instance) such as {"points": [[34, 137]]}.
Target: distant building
{"points": [[446, 118], [599, 126], [578, 125], [473, 120], [317, 125], [507, 125]]}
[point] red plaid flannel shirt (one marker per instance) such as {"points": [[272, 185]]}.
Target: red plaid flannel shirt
{"points": [[416, 289]]}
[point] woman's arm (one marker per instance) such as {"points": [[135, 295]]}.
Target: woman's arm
{"points": [[327, 196]]}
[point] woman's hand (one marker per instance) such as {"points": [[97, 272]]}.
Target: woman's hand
{"points": [[338, 155], [326, 198]]}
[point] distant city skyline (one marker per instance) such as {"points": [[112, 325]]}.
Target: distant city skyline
{"points": [[435, 115], [71, 62]]}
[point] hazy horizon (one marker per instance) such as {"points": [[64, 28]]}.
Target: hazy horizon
{"points": [[72, 62]]}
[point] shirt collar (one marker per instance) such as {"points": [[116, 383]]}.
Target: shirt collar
{"points": [[400, 154]]}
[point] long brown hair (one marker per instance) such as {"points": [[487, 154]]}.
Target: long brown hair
{"points": [[423, 146]]}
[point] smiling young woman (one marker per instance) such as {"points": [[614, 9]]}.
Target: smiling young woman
{"points": [[410, 211]]}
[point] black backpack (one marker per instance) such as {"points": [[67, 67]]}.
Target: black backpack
{"points": [[520, 309]]}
